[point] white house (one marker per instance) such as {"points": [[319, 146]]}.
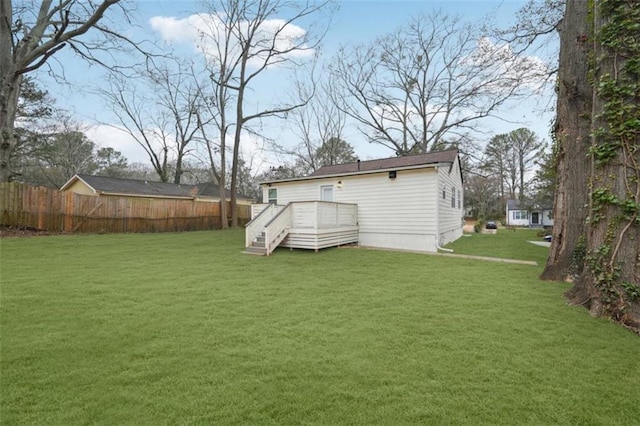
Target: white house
{"points": [[517, 215], [411, 203]]}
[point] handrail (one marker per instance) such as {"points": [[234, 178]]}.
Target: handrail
{"points": [[257, 224], [277, 229]]}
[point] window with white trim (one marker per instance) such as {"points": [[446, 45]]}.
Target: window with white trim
{"points": [[520, 214], [273, 195], [453, 196]]}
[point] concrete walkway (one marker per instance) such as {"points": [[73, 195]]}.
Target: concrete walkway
{"points": [[540, 243], [459, 256], [490, 259]]}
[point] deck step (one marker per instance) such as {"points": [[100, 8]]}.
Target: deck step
{"points": [[259, 251]]}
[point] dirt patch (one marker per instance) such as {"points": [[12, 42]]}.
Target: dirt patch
{"points": [[468, 227], [21, 232]]}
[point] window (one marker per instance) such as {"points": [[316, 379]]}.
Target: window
{"points": [[273, 195], [520, 214], [453, 196], [459, 197], [444, 192]]}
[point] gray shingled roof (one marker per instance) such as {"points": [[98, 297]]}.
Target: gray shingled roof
{"points": [[447, 156], [138, 187], [513, 205], [212, 190]]}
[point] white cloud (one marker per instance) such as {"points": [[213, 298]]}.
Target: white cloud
{"points": [[530, 72], [112, 136], [205, 32]]}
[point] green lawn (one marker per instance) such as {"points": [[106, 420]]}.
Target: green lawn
{"points": [[506, 244], [183, 328]]}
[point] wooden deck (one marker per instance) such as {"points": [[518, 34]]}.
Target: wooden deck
{"points": [[309, 225]]}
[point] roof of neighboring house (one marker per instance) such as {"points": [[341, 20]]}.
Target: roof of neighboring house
{"points": [[210, 189], [371, 166], [135, 187], [515, 205]]}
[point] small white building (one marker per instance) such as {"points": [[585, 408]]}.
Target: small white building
{"points": [[536, 217], [409, 203]]}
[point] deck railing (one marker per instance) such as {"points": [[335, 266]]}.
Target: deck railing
{"points": [[277, 229], [323, 214], [257, 224], [315, 217]]}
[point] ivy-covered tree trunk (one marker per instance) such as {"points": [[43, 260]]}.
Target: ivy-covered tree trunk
{"points": [[610, 283], [572, 132]]}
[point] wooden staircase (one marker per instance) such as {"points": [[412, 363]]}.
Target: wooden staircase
{"points": [[258, 246], [266, 231]]}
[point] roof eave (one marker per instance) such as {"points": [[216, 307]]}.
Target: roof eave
{"points": [[357, 173], [124, 194]]}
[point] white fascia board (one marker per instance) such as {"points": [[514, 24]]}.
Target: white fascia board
{"points": [[363, 172]]}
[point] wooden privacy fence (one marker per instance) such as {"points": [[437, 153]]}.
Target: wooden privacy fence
{"points": [[51, 210]]}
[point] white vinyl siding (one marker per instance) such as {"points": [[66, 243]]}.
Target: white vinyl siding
{"points": [[450, 213], [394, 213], [518, 218]]}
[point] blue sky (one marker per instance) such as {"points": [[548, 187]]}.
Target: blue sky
{"points": [[356, 21]]}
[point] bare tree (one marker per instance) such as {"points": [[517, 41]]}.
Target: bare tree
{"points": [[509, 157], [481, 196], [29, 38], [178, 95], [159, 111], [431, 79], [242, 40], [527, 147], [319, 126], [497, 162]]}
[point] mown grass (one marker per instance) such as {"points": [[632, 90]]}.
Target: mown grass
{"points": [[506, 244], [183, 328]]}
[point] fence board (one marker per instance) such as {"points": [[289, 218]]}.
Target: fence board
{"points": [[47, 209]]}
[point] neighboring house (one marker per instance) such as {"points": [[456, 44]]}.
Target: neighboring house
{"points": [[409, 203], [103, 186], [518, 215]]}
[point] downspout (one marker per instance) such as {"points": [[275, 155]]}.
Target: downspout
{"points": [[443, 249]]}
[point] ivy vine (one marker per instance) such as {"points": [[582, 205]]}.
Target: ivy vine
{"points": [[616, 141]]}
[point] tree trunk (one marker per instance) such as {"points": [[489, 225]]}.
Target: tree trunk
{"points": [[7, 135], [9, 93], [610, 283], [234, 175], [572, 131], [178, 175]]}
